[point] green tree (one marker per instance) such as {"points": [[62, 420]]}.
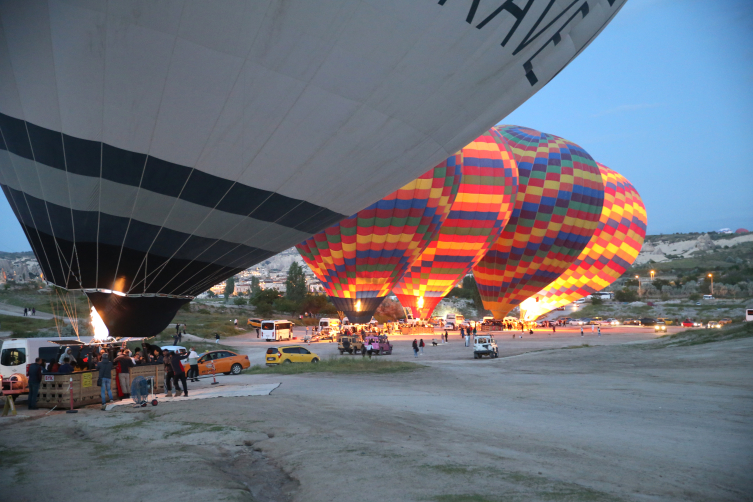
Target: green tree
{"points": [[469, 284], [295, 284], [626, 295], [255, 285], [315, 303], [229, 288]]}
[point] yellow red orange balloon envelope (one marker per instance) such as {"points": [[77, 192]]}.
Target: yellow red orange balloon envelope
{"points": [[610, 252], [360, 259], [481, 209], [557, 209]]}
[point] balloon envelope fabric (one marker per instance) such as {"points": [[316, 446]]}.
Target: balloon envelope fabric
{"points": [[610, 252], [360, 259], [557, 209], [483, 206]]}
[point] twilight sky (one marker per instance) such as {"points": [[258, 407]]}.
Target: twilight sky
{"points": [[664, 96]]}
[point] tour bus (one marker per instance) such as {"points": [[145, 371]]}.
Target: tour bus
{"points": [[453, 321], [749, 314], [18, 353], [276, 330]]}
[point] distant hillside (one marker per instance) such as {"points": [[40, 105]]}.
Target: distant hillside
{"points": [[4, 255]]}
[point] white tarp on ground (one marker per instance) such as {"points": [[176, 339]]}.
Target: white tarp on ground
{"points": [[210, 392]]}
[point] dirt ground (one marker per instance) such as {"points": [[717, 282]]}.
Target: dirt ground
{"points": [[558, 417]]}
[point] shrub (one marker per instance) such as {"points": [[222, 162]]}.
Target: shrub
{"points": [[239, 301], [694, 297], [626, 295]]}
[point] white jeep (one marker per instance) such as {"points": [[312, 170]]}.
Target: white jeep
{"points": [[484, 345]]}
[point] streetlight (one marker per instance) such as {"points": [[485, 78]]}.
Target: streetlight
{"points": [[639, 285], [652, 276], [712, 284]]}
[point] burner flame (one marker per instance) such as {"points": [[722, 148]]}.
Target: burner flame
{"points": [[101, 333]]}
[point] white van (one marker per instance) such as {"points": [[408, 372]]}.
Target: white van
{"points": [[329, 324], [18, 353], [748, 315], [453, 321], [276, 330], [708, 297]]}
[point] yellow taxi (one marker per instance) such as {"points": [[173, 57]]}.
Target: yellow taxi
{"points": [[223, 361], [290, 354]]}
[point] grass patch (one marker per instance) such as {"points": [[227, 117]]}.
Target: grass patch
{"points": [[703, 336], [25, 327], [338, 365]]}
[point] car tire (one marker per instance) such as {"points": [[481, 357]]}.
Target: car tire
{"points": [[342, 352], [315, 360], [236, 369], [286, 361]]}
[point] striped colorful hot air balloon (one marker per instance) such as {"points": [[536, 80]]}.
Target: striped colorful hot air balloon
{"points": [[610, 252], [360, 259], [559, 201], [483, 206]]}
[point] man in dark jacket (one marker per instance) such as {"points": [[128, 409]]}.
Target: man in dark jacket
{"points": [[166, 360], [179, 373], [35, 378], [66, 366], [105, 376]]}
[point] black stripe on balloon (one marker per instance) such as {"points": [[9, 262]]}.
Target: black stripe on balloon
{"points": [[216, 256], [122, 166]]}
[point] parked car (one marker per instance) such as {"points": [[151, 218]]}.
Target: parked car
{"points": [[714, 324], [179, 349], [290, 354], [484, 345], [380, 344], [690, 323], [224, 361], [632, 322], [597, 320], [724, 321], [576, 322], [666, 320], [613, 322], [660, 327], [352, 344], [647, 321]]}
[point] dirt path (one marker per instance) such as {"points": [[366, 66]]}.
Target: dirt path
{"points": [[609, 421]]}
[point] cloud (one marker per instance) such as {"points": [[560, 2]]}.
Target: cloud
{"points": [[627, 108]]}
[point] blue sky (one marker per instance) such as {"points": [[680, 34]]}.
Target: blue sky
{"points": [[664, 96]]}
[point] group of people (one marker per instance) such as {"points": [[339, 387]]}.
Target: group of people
{"points": [[30, 311], [180, 330], [123, 362], [418, 345]]}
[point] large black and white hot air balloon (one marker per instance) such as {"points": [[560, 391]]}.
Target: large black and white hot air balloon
{"points": [[153, 149]]}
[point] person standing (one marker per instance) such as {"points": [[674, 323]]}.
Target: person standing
{"points": [[124, 377], [216, 338], [554, 328], [599, 330], [474, 331], [34, 311], [415, 348], [421, 345], [26, 311], [166, 357], [446, 337], [581, 331], [462, 332], [235, 322], [179, 373], [105, 377], [592, 328], [257, 332], [35, 378], [193, 362], [467, 339]]}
